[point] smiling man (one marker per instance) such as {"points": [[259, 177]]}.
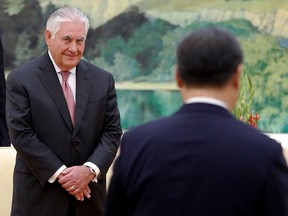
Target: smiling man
{"points": [[64, 123]]}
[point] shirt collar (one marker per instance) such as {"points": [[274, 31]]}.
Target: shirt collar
{"points": [[207, 100], [57, 69]]}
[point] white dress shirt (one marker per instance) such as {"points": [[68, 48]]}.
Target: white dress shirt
{"points": [[72, 82]]}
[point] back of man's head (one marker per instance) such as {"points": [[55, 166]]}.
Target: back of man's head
{"points": [[208, 56]]}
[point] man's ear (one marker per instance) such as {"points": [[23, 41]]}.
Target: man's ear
{"points": [[48, 37], [178, 78], [237, 77]]}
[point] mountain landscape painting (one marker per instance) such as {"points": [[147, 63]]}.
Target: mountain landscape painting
{"points": [[136, 41]]}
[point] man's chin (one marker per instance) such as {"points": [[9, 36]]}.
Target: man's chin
{"points": [[71, 63]]}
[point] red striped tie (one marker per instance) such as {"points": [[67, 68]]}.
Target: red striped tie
{"points": [[68, 94]]}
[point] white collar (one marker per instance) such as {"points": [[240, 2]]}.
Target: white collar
{"points": [[57, 69], [208, 100]]}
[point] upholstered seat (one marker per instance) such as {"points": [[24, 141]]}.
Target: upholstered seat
{"points": [[7, 161]]}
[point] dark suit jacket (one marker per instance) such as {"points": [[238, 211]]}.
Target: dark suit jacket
{"points": [[202, 162], [42, 133], [4, 138]]}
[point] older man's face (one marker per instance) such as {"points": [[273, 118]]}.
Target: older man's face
{"points": [[67, 47]]}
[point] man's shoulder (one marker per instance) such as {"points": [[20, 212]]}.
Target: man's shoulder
{"points": [[153, 126], [251, 139], [29, 65], [92, 68]]}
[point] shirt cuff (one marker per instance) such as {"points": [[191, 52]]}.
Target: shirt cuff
{"points": [[95, 168], [53, 178]]}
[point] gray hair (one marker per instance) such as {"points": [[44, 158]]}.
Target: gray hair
{"points": [[66, 14]]}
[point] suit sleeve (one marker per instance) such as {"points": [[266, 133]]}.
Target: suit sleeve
{"points": [[41, 161], [106, 150], [275, 197], [117, 197]]}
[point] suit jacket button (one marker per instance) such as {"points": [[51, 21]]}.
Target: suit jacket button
{"points": [[75, 144]]}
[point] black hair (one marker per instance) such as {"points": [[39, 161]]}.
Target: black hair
{"points": [[208, 56]]}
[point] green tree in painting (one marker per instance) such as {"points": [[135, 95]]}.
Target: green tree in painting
{"points": [[125, 68], [112, 46], [143, 46], [25, 21], [165, 72], [146, 44], [266, 61]]}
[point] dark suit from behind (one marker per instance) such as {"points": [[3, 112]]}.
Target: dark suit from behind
{"points": [[44, 137], [200, 161], [4, 137]]}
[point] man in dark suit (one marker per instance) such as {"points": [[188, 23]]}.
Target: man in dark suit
{"points": [[4, 137], [201, 160], [62, 157]]}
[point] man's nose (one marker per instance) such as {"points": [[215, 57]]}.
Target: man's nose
{"points": [[73, 47]]}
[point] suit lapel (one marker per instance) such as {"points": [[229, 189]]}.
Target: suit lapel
{"points": [[83, 82], [50, 80]]}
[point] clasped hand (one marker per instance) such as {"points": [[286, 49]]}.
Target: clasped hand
{"points": [[75, 180]]}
